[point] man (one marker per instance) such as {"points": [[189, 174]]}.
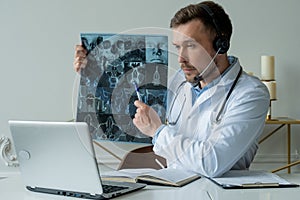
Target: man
{"points": [[217, 113]]}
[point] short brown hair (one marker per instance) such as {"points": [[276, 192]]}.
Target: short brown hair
{"points": [[195, 11]]}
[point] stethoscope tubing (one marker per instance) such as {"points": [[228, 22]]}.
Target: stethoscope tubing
{"points": [[221, 109]]}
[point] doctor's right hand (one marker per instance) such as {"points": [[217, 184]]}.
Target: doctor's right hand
{"points": [[146, 119], [80, 59]]}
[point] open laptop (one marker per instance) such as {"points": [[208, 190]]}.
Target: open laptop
{"points": [[58, 158]]}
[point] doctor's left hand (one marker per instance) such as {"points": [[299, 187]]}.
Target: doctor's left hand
{"points": [[146, 119]]}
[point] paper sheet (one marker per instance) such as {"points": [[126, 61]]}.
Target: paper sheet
{"points": [[240, 177]]}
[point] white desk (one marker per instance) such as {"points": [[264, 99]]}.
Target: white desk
{"points": [[11, 188]]}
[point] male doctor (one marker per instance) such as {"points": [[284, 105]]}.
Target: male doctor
{"points": [[216, 112]]}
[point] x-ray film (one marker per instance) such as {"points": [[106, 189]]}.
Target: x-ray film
{"points": [[106, 93]]}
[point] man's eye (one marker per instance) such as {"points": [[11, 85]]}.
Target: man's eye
{"points": [[190, 45], [177, 47]]}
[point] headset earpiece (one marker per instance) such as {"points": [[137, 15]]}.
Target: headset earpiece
{"points": [[221, 44]]}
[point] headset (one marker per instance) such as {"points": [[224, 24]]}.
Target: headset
{"points": [[221, 43]]}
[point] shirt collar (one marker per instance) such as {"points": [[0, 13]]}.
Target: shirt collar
{"points": [[232, 61], [196, 91]]}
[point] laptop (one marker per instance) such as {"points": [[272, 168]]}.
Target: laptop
{"points": [[58, 158]]}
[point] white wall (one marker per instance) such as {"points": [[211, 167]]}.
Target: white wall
{"points": [[38, 38]]}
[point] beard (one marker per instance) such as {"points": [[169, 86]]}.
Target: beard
{"points": [[190, 72]]}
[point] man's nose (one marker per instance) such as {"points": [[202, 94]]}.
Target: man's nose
{"points": [[182, 57]]}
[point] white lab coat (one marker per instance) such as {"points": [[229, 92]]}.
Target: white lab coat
{"points": [[198, 143]]}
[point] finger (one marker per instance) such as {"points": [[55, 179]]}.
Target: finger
{"points": [[140, 104], [76, 67], [138, 110], [80, 51], [80, 59], [79, 47], [142, 111], [140, 122], [136, 122], [79, 63], [142, 117], [145, 121]]}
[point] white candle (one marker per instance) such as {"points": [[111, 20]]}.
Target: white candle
{"points": [[267, 68], [271, 85]]}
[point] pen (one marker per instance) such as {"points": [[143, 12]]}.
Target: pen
{"points": [[137, 90], [159, 163], [210, 197]]}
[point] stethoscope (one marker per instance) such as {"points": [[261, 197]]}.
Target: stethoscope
{"points": [[217, 120]]}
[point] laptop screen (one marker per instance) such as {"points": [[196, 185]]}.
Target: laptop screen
{"points": [[106, 91], [58, 158], [57, 155]]}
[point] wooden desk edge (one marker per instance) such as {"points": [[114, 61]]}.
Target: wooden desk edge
{"points": [[282, 120]]}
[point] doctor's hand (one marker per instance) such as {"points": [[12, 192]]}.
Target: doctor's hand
{"points": [[146, 119], [80, 59]]}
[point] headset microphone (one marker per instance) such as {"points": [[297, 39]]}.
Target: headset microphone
{"points": [[197, 79], [200, 77]]}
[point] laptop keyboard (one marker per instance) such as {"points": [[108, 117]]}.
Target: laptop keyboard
{"points": [[112, 188]]}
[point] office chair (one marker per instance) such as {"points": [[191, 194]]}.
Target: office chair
{"points": [[143, 157]]}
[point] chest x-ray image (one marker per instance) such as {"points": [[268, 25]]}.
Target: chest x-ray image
{"points": [[106, 91]]}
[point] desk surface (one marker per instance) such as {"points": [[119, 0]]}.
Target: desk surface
{"points": [[282, 120], [12, 188]]}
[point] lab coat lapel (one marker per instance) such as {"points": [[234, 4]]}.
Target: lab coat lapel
{"points": [[202, 99], [188, 103], [218, 91]]}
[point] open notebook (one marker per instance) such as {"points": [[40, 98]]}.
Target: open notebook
{"points": [[166, 176]]}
